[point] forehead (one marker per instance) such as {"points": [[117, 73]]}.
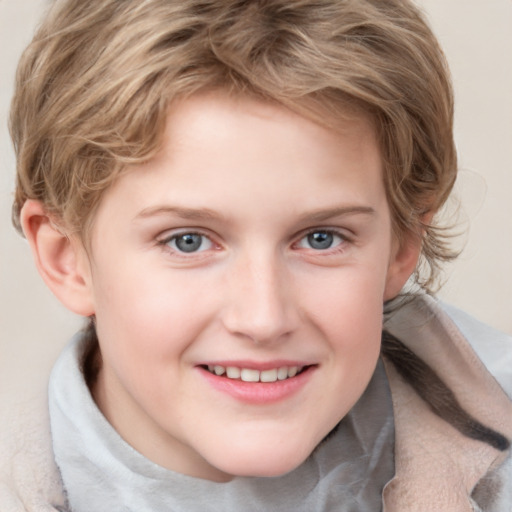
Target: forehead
{"points": [[223, 152]]}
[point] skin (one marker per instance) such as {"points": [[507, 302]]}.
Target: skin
{"points": [[254, 180]]}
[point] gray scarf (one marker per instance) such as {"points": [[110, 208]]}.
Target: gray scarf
{"points": [[102, 473]]}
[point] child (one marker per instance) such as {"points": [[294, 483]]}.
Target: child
{"points": [[231, 192]]}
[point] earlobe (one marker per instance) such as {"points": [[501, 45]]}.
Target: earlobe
{"points": [[402, 265], [60, 260]]}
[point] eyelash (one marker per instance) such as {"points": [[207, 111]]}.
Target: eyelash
{"points": [[339, 247]]}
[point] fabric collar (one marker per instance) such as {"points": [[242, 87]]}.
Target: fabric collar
{"points": [[437, 468]]}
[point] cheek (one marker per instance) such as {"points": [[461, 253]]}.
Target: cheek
{"points": [[144, 328], [152, 318], [140, 310], [348, 311], [351, 297]]}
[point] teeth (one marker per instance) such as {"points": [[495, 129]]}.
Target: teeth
{"points": [[268, 375], [233, 372], [219, 370], [282, 373], [250, 375]]}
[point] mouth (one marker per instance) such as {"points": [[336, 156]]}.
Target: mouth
{"points": [[261, 386], [280, 373]]}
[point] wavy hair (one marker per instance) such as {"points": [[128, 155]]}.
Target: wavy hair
{"points": [[94, 87]]}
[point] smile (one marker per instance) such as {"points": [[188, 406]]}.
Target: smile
{"points": [[251, 375], [258, 386]]}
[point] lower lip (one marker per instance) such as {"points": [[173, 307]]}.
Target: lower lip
{"points": [[259, 392]]}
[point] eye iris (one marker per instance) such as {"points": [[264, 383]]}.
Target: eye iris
{"points": [[189, 243], [320, 240]]}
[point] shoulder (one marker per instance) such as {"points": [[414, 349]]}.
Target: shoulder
{"points": [[492, 347], [474, 362], [29, 478], [428, 325]]}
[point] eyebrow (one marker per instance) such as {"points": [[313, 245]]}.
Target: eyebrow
{"points": [[323, 214], [318, 215], [184, 213]]}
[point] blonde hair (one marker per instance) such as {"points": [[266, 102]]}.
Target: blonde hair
{"points": [[95, 84]]}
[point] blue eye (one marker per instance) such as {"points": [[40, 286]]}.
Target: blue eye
{"points": [[320, 240], [189, 242]]}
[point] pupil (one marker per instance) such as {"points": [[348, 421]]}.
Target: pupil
{"points": [[320, 240], [189, 243]]}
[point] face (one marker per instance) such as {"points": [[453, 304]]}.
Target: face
{"points": [[238, 281]]}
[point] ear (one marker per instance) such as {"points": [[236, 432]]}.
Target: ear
{"points": [[61, 260], [403, 261]]}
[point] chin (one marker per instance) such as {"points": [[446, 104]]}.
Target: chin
{"points": [[264, 460], [267, 468]]}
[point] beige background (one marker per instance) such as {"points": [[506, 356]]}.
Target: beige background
{"points": [[477, 37]]}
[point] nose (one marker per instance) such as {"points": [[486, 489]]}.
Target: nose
{"points": [[261, 305]]}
